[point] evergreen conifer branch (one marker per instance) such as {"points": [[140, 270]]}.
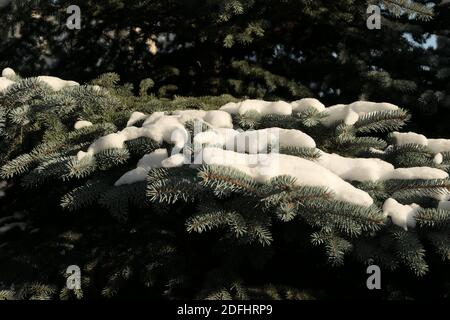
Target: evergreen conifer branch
{"points": [[433, 218], [412, 8], [385, 121]]}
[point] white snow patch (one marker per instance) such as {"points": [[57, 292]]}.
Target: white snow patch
{"points": [[135, 117], [56, 83], [153, 117], [434, 145], [160, 127], [259, 140], [110, 141], [401, 215], [351, 117], [8, 72], [307, 103], [420, 173], [292, 138], [363, 107], [260, 106], [438, 158], [5, 83], [231, 107], [147, 162], [219, 137], [341, 112], [132, 176], [187, 115], [176, 160], [350, 113], [372, 169], [153, 159], [218, 119], [402, 138], [164, 128], [356, 169], [82, 124], [263, 167], [255, 141], [439, 145]]}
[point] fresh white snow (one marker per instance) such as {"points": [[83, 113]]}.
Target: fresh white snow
{"points": [[247, 151], [372, 169], [132, 176], [152, 118], [177, 160], [160, 127], [421, 173], [255, 141], [402, 138], [135, 117], [350, 113], [439, 145], [215, 118], [434, 145], [153, 159], [164, 128], [147, 162], [438, 158], [356, 169], [260, 106], [8, 72], [5, 83], [307, 103], [218, 119], [82, 124], [56, 83], [292, 138], [263, 167], [231, 107], [222, 137], [190, 114], [401, 215]]}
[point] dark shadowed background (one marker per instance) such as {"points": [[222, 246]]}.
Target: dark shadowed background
{"points": [[277, 49]]}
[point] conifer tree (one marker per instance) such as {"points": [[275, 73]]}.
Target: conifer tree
{"points": [[213, 231]]}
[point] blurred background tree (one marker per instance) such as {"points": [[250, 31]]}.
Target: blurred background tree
{"points": [[285, 49], [272, 49]]}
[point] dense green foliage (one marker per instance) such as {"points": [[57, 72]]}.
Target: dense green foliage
{"points": [[212, 232], [207, 232], [273, 49]]}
